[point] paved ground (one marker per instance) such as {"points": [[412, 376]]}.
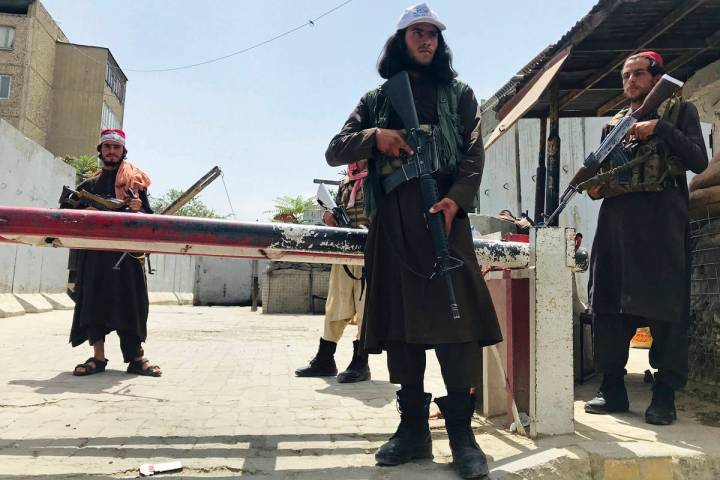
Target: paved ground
{"points": [[228, 406]]}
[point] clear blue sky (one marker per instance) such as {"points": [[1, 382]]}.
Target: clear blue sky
{"points": [[266, 116]]}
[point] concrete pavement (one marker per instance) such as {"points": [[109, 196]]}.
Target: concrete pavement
{"points": [[229, 406]]}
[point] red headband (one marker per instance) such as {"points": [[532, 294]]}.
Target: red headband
{"points": [[654, 56]]}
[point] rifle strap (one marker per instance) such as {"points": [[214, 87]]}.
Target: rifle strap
{"points": [[362, 278]]}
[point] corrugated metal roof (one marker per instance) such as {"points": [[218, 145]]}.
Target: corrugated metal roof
{"points": [[685, 32]]}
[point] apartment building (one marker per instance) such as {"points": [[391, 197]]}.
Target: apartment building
{"points": [[57, 93]]}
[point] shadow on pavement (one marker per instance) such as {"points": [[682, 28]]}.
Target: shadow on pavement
{"points": [[373, 393], [65, 382]]}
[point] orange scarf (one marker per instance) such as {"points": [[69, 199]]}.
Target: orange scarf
{"points": [[129, 176]]}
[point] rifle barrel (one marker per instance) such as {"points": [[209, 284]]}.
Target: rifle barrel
{"points": [[191, 192]]}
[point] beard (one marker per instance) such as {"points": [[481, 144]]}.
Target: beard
{"points": [[110, 163]]}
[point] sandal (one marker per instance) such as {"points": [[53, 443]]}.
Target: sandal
{"points": [[136, 367], [92, 365]]}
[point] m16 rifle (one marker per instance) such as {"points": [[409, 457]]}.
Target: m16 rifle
{"points": [[328, 203], [612, 146], [401, 98]]}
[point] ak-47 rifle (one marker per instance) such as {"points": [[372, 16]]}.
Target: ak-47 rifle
{"points": [[84, 199], [612, 144], [400, 94]]}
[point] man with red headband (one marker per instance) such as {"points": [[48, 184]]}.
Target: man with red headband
{"points": [[106, 298], [346, 299], [640, 270]]}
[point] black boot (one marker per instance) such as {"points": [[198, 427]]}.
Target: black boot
{"points": [[412, 438], [662, 407], [468, 459], [611, 397], [358, 370], [323, 365]]}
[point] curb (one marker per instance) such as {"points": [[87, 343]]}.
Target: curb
{"points": [[9, 306], [33, 302]]}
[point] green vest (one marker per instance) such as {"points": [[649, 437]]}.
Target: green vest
{"points": [[450, 137], [650, 165]]}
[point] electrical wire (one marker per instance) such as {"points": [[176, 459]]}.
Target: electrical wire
{"points": [[310, 23], [222, 177]]}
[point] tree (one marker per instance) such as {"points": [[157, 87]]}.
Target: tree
{"points": [[194, 208], [291, 209], [85, 166]]}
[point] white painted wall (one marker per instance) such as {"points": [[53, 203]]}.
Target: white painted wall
{"points": [[172, 273], [224, 281], [30, 176]]}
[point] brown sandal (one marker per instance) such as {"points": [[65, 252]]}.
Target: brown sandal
{"points": [[92, 365]]}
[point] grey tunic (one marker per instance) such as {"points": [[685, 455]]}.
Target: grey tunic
{"points": [[402, 303], [640, 256]]}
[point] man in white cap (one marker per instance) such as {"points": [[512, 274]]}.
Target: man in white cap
{"points": [[407, 307], [107, 298]]}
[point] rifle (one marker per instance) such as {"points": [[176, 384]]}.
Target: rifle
{"points": [[401, 98], [188, 195], [328, 203], [612, 144], [83, 198]]}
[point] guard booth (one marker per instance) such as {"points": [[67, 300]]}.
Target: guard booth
{"points": [[538, 129]]}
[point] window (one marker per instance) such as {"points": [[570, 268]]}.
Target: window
{"points": [[7, 37], [5, 86], [109, 120], [115, 78]]}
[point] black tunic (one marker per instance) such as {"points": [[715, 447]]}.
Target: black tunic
{"points": [[108, 299], [640, 264], [402, 304]]}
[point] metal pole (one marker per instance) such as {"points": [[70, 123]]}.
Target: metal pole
{"points": [[254, 286], [552, 193], [540, 173]]}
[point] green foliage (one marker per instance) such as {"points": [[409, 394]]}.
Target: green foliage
{"points": [[291, 209], [194, 208], [85, 166]]}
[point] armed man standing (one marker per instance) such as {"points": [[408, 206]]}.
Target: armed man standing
{"points": [[640, 270], [111, 290], [346, 291], [408, 305]]}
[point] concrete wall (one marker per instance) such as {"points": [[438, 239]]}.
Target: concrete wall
{"points": [[172, 279], [225, 281], [30, 176]]}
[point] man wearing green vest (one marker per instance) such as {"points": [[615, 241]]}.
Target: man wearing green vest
{"points": [[407, 307], [640, 266]]}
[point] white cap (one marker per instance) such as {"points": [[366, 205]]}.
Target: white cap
{"points": [[419, 13]]}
